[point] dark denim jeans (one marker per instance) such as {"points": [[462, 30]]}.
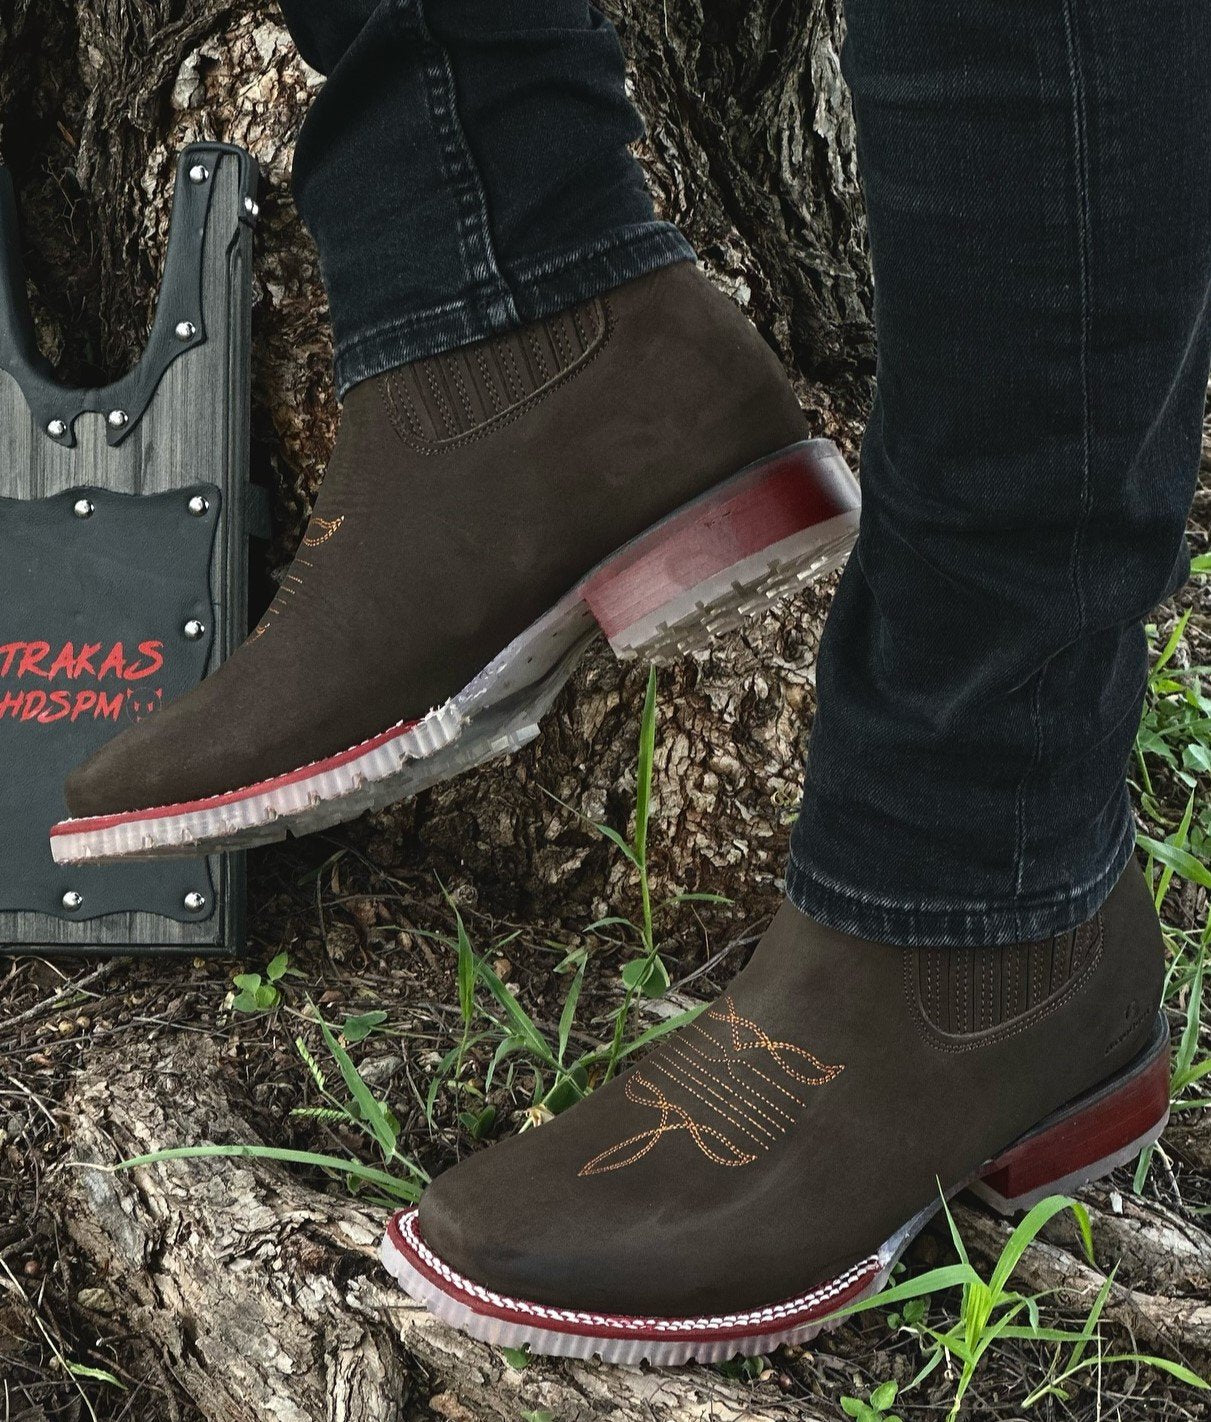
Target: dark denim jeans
{"points": [[1038, 179], [466, 169]]}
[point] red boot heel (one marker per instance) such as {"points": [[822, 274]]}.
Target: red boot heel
{"points": [[1087, 1139], [701, 571]]}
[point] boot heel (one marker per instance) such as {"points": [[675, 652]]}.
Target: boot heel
{"points": [[701, 571], [1087, 1139]]}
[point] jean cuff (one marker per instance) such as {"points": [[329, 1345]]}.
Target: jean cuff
{"points": [[955, 924], [540, 286]]}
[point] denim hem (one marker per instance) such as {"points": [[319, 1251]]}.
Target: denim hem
{"points": [[539, 288], [955, 925]]}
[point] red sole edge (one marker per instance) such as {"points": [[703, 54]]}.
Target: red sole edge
{"points": [[776, 1318], [231, 797], [1085, 1134]]}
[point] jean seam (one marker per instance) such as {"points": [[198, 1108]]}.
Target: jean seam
{"points": [[541, 266], [864, 902], [1081, 176], [1080, 139], [1036, 759], [475, 242]]}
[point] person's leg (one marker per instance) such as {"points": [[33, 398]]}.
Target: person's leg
{"points": [[1040, 219], [465, 169], [466, 174], [972, 993]]}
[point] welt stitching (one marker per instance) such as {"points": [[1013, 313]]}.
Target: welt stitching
{"points": [[620, 1322], [511, 416]]}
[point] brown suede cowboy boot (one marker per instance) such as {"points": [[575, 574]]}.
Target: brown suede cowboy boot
{"points": [[638, 465], [767, 1165]]}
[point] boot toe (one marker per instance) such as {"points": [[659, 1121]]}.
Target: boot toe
{"points": [[111, 781], [476, 1219]]}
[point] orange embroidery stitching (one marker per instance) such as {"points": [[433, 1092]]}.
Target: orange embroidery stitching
{"points": [[328, 526], [721, 1079]]}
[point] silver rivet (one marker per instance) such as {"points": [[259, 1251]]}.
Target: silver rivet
{"points": [[72, 900], [57, 429], [194, 901], [195, 629], [83, 508], [199, 173], [251, 207], [198, 506], [186, 330], [117, 418]]}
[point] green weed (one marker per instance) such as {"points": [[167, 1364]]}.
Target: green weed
{"points": [[490, 1014], [875, 1408], [991, 1312], [257, 993]]}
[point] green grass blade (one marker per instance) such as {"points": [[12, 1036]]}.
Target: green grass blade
{"points": [[616, 839], [1171, 646], [649, 1035], [466, 967], [933, 1281], [955, 1237], [643, 775], [1024, 1235], [1180, 861], [568, 1015], [1188, 1044], [373, 1114], [520, 1023], [402, 1189]]}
